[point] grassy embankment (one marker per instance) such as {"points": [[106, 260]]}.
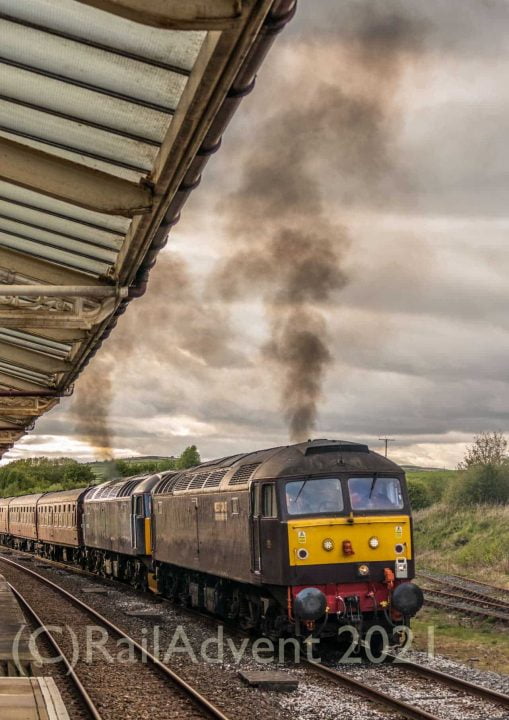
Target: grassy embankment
{"points": [[471, 541]]}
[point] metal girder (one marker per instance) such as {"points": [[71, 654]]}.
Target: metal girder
{"points": [[10, 436], [41, 270], [33, 360], [53, 291], [65, 180], [18, 384], [25, 406], [48, 312], [175, 14]]}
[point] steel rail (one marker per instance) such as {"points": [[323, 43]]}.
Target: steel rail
{"points": [[91, 707], [455, 682], [377, 696], [412, 712], [472, 596], [488, 597], [467, 607], [187, 689], [495, 588]]}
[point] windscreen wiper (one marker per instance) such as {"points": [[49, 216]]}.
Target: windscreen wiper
{"points": [[301, 489], [375, 478]]}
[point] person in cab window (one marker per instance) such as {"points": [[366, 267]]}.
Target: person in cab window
{"points": [[359, 493]]}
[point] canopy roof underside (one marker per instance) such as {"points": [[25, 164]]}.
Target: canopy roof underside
{"points": [[109, 110]]}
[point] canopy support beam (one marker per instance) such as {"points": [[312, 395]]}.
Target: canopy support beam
{"points": [[77, 184], [175, 14]]}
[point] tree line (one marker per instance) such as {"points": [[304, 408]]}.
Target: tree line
{"points": [[42, 474], [482, 477]]}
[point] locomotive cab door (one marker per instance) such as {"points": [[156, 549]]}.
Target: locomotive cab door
{"points": [[138, 524], [264, 527], [255, 505]]}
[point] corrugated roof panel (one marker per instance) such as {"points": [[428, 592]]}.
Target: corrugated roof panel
{"points": [[25, 374], [37, 219], [89, 141], [62, 209], [77, 63], [35, 343], [84, 105], [54, 255], [134, 175], [58, 241], [165, 46]]}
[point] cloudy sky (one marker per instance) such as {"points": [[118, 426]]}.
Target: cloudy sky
{"points": [[381, 129]]}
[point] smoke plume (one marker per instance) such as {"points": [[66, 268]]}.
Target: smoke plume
{"points": [[282, 242], [91, 405], [172, 327], [325, 140]]}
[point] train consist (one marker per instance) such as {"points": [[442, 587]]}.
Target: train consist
{"points": [[291, 541]]}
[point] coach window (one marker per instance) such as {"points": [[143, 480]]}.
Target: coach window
{"points": [[268, 501]]}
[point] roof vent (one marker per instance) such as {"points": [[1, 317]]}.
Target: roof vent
{"points": [[337, 448], [243, 473]]}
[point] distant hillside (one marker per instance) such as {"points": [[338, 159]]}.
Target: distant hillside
{"points": [[105, 469], [418, 468]]}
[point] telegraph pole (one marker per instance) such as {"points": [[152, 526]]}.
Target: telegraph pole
{"points": [[386, 440]]}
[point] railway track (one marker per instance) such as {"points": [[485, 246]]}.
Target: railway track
{"points": [[464, 693], [463, 689], [466, 595], [109, 690], [360, 686]]}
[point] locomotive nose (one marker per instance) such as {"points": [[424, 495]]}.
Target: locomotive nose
{"points": [[310, 604], [407, 598]]}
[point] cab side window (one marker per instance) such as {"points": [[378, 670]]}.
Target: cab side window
{"points": [[269, 501]]}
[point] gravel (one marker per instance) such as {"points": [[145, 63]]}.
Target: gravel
{"points": [[316, 698]]}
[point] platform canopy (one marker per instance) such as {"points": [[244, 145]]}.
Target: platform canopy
{"points": [[109, 110]]}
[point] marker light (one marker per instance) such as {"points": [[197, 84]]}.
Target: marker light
{"points": [[347, 548], [302, 554], [363, 570], [373, 542], [328, 544]]}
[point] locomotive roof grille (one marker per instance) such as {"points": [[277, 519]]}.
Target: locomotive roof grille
{"points": [[243, 474], [194, 481], [336, 448], [181, 483], [214, 479], [197, 481], [128, 488], [167, 483]]}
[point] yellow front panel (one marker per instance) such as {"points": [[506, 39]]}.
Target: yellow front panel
{"points": [[148, 537], [309, 533]]}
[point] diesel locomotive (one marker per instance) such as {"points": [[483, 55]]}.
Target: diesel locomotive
{"points": [[298, 540]]}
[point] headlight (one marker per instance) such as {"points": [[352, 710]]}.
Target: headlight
{"points": [[310, 604], [328, 544], [363, 570], [373, 542]]}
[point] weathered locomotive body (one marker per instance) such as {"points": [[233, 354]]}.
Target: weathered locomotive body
{"points": [[117, 528], [293, 540]]}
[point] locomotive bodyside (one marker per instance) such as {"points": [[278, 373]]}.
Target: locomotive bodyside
{"points": [[116, 528], [236, 536]]}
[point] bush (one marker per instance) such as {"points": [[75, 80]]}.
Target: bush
{"points": [[435, 481], [420, 496], [480, 484]]}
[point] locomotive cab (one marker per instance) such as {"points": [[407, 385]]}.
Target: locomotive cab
{"points": [[338, 539]]}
